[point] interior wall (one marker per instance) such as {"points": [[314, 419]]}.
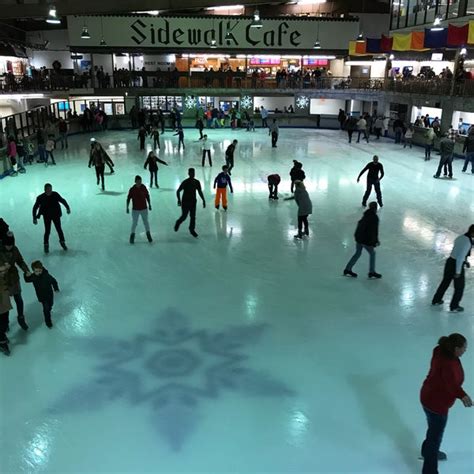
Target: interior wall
{"points": [[326, 106], [56, 50], [270, 103]]}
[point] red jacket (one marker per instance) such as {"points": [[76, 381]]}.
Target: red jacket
{"points": [[443, 384], [139, 197]]}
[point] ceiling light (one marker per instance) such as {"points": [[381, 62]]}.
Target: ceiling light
{"points": [[52, 16], [52, 11], [225, 8], [360, 38], [391, 57], [103, 42], [317, 45], [85, 33], [213, 44], [256, 22], [436, 25], [463, 52]]}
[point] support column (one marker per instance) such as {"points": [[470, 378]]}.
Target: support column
{"points": [[447, 117]]}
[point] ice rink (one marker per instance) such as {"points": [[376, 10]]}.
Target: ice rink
{"points": [[242, 351]]}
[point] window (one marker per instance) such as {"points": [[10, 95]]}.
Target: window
{"points": [[413, 9], [470, 8]]}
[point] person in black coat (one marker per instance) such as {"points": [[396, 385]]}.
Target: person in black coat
{"points": [[375, 173], [48, 206], [366, 237], [4, 230], [296, 174], [44, 284]]}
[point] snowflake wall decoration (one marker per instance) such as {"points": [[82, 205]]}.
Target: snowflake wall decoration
{"points": [[190, 102], [302, 102], [246, 102], [171, 370]]}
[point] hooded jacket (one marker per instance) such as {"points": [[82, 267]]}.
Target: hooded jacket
{"points": [[297, 173], [367, 231]]}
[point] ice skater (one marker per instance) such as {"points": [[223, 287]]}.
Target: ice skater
{"points": [[374, 176], [274, 131], [229, 155], [10, 254], [273, 181], [468, 148], [155, 134], [430, 137], [44, 284], [189, 187], [97, 159], [50, 144], [142, 136], [48, 206], [454, 270], [296, 174], [305, 208], [362, 129], [141, 204], [366, 237], [151, 162], [206, 150], [446, 149], [12, 153], [5, 307], [221, 182], [441, 388], [108, 161], [200, 127], [180, 134]]}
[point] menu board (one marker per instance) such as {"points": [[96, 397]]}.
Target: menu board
{"points": [[315, 62], [256, 61]]}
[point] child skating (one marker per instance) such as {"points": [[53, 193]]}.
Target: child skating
{"points": [[44, 284], [152, 164], [221, 182], [155, 135], [180, 134], [273, 182]]}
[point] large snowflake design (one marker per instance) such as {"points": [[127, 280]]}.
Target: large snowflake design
{"points": [[171, 369], [190, 102], [302, 102], [246, 102]]}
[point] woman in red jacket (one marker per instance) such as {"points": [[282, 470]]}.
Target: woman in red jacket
{"points": [[439, 392]]}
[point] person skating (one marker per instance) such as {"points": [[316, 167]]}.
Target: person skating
{"points": [[142, 136], [12, 153], [221, 182], [468, 148], [362, 129], [273, 181], [10, 254], [229, 155], [454, 270], [351, 126], [5, 307], [108, 160], [48, 206], [97, 159], [50, 144], [44, 284], [155, 134], [151, 162], [375, 173], [206, 150], [430, 137], [141, 204], [305, 208], [200, 127], [189, 187], [264, 115], [296, 174], [366, 237], [4, 230], [446, 149], [274, 131], [441, 388], [180, 134]]}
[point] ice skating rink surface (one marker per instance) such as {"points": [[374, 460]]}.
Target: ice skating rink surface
{"points": [[242, 351]]}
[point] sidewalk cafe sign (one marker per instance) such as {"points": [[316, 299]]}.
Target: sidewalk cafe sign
{"points": [[197, 33]]}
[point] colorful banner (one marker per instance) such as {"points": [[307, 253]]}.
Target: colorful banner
{"points": [[418, 41], [386, 44], [470, 36], [457, 35], [373, 45], [401, 42]]}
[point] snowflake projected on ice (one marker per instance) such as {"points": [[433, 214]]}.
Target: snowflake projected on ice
{"points": [[171, 370], [246, 102], [302, 102], [190, 102]]}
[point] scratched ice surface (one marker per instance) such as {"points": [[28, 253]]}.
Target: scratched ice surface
{"points": [[242, 351]]}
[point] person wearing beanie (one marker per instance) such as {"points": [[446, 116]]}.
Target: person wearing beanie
{"points": [[141, 204], [441, 388], [296, 173], [375, 173], [454, 270], [305, 208], [273, 182], [48, 206], [5, 307], [44, 284], [366, 237], [10, 254]]}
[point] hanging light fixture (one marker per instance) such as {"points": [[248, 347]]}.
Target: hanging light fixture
{"points": [[85, 33], [360, 38], [213, 43], [436, 25], [102, 40], [317, 44], [52, 16], [256, 22]]}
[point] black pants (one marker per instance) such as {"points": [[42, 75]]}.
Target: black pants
{"points": [[188, 208], [448, 277], [230, 163], [142, 143], [447, 161], [19, 305], [303, 222], [181, 142], [154, 177], [349, 134], [432, 443], [273, 188], [99, 172], [366, 137], [200, 134], [274, 139], [156, 142], [264, 123], [47, 307], [47, 228], [378, 132], [208, 153], [3, 327], [378, 192]]}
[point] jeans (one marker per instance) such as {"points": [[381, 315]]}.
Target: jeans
{"points": [[274, 139], [42, 152], [208, 153], [99, 172], [448, 161], [47, 307], [303, 222], [378, 192], [378, 132], [356, 256], [181, 142], [47, 228], [19, 305], [63, 139], [156, 143], [229, 162], [349, 134], [432, 443], [448, 277], [188, 208], [47, 155], [264, 122], [273, 188], [143, 213], [469, 158]]}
